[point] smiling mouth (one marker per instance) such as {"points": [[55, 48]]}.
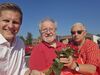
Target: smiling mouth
{"points": [[48, 35], [10, 32]]}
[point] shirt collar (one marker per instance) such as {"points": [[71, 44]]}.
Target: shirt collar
{"points": [[48, 45], [2, 39]]}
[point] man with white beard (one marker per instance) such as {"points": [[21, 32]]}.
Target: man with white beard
{"points": [[43, 54]]}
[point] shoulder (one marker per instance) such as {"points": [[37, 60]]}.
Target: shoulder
{"points": [[19, 39], [19, 42], [90, 43], [38, 47]]}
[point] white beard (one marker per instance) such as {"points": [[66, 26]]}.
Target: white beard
{"points": [[49, 39]]}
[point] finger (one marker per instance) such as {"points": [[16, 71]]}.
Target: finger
{"points": [[42, 73], [64, 59], [35, 72]]}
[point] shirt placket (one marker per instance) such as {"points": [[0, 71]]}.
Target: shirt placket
{"points": [[8, 59]]}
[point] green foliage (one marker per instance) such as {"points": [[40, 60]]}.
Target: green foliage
{"points": [[66, 52], [29, 39], [22, 38], [57, 65]]}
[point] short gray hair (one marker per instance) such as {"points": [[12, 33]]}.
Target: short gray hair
{"points": [[79, 24], [47, 19]]}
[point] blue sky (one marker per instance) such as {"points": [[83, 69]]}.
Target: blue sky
{"points": [[65, 12]]}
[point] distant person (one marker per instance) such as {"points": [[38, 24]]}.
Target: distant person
{"points": [[43, 54], [12, 50], [88, 60]]}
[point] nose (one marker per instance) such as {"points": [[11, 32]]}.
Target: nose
{"points": [[10, 25], [48, 31], [76, 33]]}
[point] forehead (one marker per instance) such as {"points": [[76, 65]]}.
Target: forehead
{"points": [[47, 24], [77, 27], [10, 12]]}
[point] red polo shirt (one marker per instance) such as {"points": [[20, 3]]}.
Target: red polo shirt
{"points": [[90, 54], [42, 55]]}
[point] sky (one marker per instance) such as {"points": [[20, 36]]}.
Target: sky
{"points": [[64, 12]]}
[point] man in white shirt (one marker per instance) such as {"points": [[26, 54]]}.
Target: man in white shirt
{"points": [[12, 55]]}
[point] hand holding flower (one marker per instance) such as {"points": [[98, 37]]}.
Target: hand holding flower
{"points": [[64, 58]]}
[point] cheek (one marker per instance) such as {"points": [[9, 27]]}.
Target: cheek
{"points": [[2, 25], [83, 34], [43, 35], [17, 27], [73, 36]]}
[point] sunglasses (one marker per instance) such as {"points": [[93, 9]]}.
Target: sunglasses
{"points": [[78, 32]]}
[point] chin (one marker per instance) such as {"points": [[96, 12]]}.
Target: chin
{"points": [[9, 37], [78, 41], [48, 41]]}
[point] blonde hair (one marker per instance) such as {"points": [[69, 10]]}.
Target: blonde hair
{"points": [[12, 7]]}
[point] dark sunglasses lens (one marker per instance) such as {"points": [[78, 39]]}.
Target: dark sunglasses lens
{"points": [[73, 32], [79, 32]]}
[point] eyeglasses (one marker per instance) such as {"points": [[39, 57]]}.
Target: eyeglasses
{"points": [[78, 32], [47, 30]]}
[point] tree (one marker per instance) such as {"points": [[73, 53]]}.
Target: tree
{"points": [[28, 39], [22, 38]]}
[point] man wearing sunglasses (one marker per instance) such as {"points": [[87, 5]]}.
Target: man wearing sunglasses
{"points": [[88, 59]]}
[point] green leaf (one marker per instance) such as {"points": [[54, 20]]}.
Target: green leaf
{"points": [[57, 66]]}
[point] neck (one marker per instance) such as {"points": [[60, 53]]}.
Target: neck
{"points": [[10, 41], [78, 43], [81, 44], [53, 44]]}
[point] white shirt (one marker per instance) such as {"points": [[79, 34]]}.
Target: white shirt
{"points": [[12, 58]]}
